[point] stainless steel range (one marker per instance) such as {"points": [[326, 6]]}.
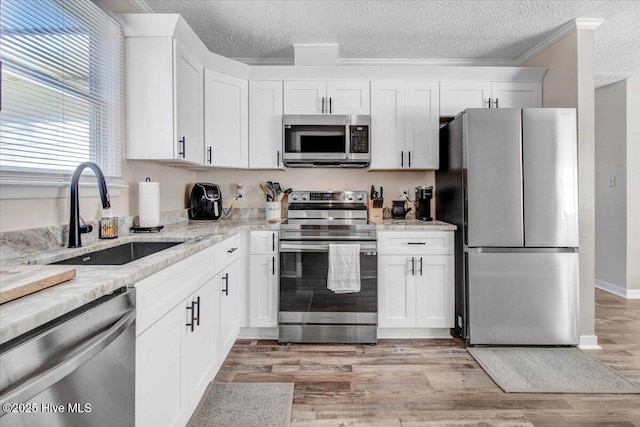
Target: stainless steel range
{"points": [[309, 311]]}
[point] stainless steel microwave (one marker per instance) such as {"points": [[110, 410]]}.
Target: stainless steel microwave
{"points": [[326, 141]]}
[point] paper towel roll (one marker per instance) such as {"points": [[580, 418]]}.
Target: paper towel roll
{"points": [[149, 204]]}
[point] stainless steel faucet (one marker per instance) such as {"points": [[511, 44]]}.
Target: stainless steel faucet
{"points": [[75, 229]]}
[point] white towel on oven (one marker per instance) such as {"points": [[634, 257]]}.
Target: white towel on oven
{"points": [[344, 268]]}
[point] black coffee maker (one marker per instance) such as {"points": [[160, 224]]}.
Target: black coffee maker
{"points": [[424, 195]]}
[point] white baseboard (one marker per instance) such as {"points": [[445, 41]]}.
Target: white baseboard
{"points": [[258, 334], [618, 290], [388, 333], [589, 342]]}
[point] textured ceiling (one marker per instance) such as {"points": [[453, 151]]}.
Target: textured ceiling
{"points": [[492, 31]]}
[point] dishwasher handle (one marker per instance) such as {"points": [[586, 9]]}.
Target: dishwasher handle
{"points": [[36, 385]]}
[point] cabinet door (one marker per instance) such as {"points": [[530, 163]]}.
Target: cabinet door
{"points": [[188, 111], [455, 97], [434, 291], [387, 125], [305, 97], [263, 291], [264, 242], [422, 124], [265, 125], [228, 286], [348, 97], [201, 356], [161, 398], [516, 95], [396, 292], [226, 119]]}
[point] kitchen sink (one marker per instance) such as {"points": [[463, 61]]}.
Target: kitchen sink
{"points": [[118, 255]]}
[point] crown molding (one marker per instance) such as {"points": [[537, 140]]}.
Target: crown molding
{"points": [[562, 32], [428, 62], [141, 6], [265, 61], [390, 62]]}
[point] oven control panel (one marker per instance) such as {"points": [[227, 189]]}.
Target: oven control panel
{"points": [[328, 197]]}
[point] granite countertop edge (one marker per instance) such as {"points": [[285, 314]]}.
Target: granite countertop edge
{"points": [[92, 282]]}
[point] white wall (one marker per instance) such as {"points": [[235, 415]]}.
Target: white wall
{"points": [[313, 179], [633, 185], [611, 202], [569, 83]]}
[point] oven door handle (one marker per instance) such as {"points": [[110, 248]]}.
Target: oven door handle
{"points": [[369, 247]]}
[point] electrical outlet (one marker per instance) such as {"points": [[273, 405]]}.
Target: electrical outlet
{"points": [[612, 181], [239, 190]]}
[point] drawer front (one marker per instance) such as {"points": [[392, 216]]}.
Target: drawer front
{"points": [[420, 243], [264, 242], [226, 251], [157, 294]]}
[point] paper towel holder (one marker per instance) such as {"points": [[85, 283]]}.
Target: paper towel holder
{"points": [[138, 229]]}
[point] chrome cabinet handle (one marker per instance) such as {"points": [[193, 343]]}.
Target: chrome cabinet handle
{"points": [[421, 266], [232, 250], [496, 103], [278, 161], [416, 243], [409, 158], [273, 242], [273, 266], [402, 159], [37, 384], [209, 155], [488, 102], [413, 266], [323, 105], [182, 142], [330, 99], [226, 284]]}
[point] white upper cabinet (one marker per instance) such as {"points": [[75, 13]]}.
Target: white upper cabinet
{"points": [[404, 125], [265, 125], [326, 97], [348, 97], [516, 95], [163, 101], [455, 97], [458, 96], [226, 120]]}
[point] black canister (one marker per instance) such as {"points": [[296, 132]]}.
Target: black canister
{"points": [[424, 194]]}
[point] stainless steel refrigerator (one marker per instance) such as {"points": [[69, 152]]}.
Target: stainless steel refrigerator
{"points": [[508, 180]]}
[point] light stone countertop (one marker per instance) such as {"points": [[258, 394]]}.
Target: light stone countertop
{"points": [[92, 282], [413, 224]]}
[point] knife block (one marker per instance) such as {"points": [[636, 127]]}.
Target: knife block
{"points": [[375, 214]]}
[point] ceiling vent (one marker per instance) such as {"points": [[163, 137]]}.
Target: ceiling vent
{"points": [[315, 54]]}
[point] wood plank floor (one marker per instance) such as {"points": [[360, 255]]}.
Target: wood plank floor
{"points": [[436, 382]]}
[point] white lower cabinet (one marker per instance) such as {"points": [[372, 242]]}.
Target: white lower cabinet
{"points": [[263, 291], [175, 359], [228, 286], [160, 392], [264, 279], [415, 289], [180, 347]]}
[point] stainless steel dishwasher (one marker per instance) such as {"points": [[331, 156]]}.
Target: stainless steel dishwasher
{"points": [[77, 370]]}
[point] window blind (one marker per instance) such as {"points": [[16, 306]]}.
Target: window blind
{"points": [[61, 86]]}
